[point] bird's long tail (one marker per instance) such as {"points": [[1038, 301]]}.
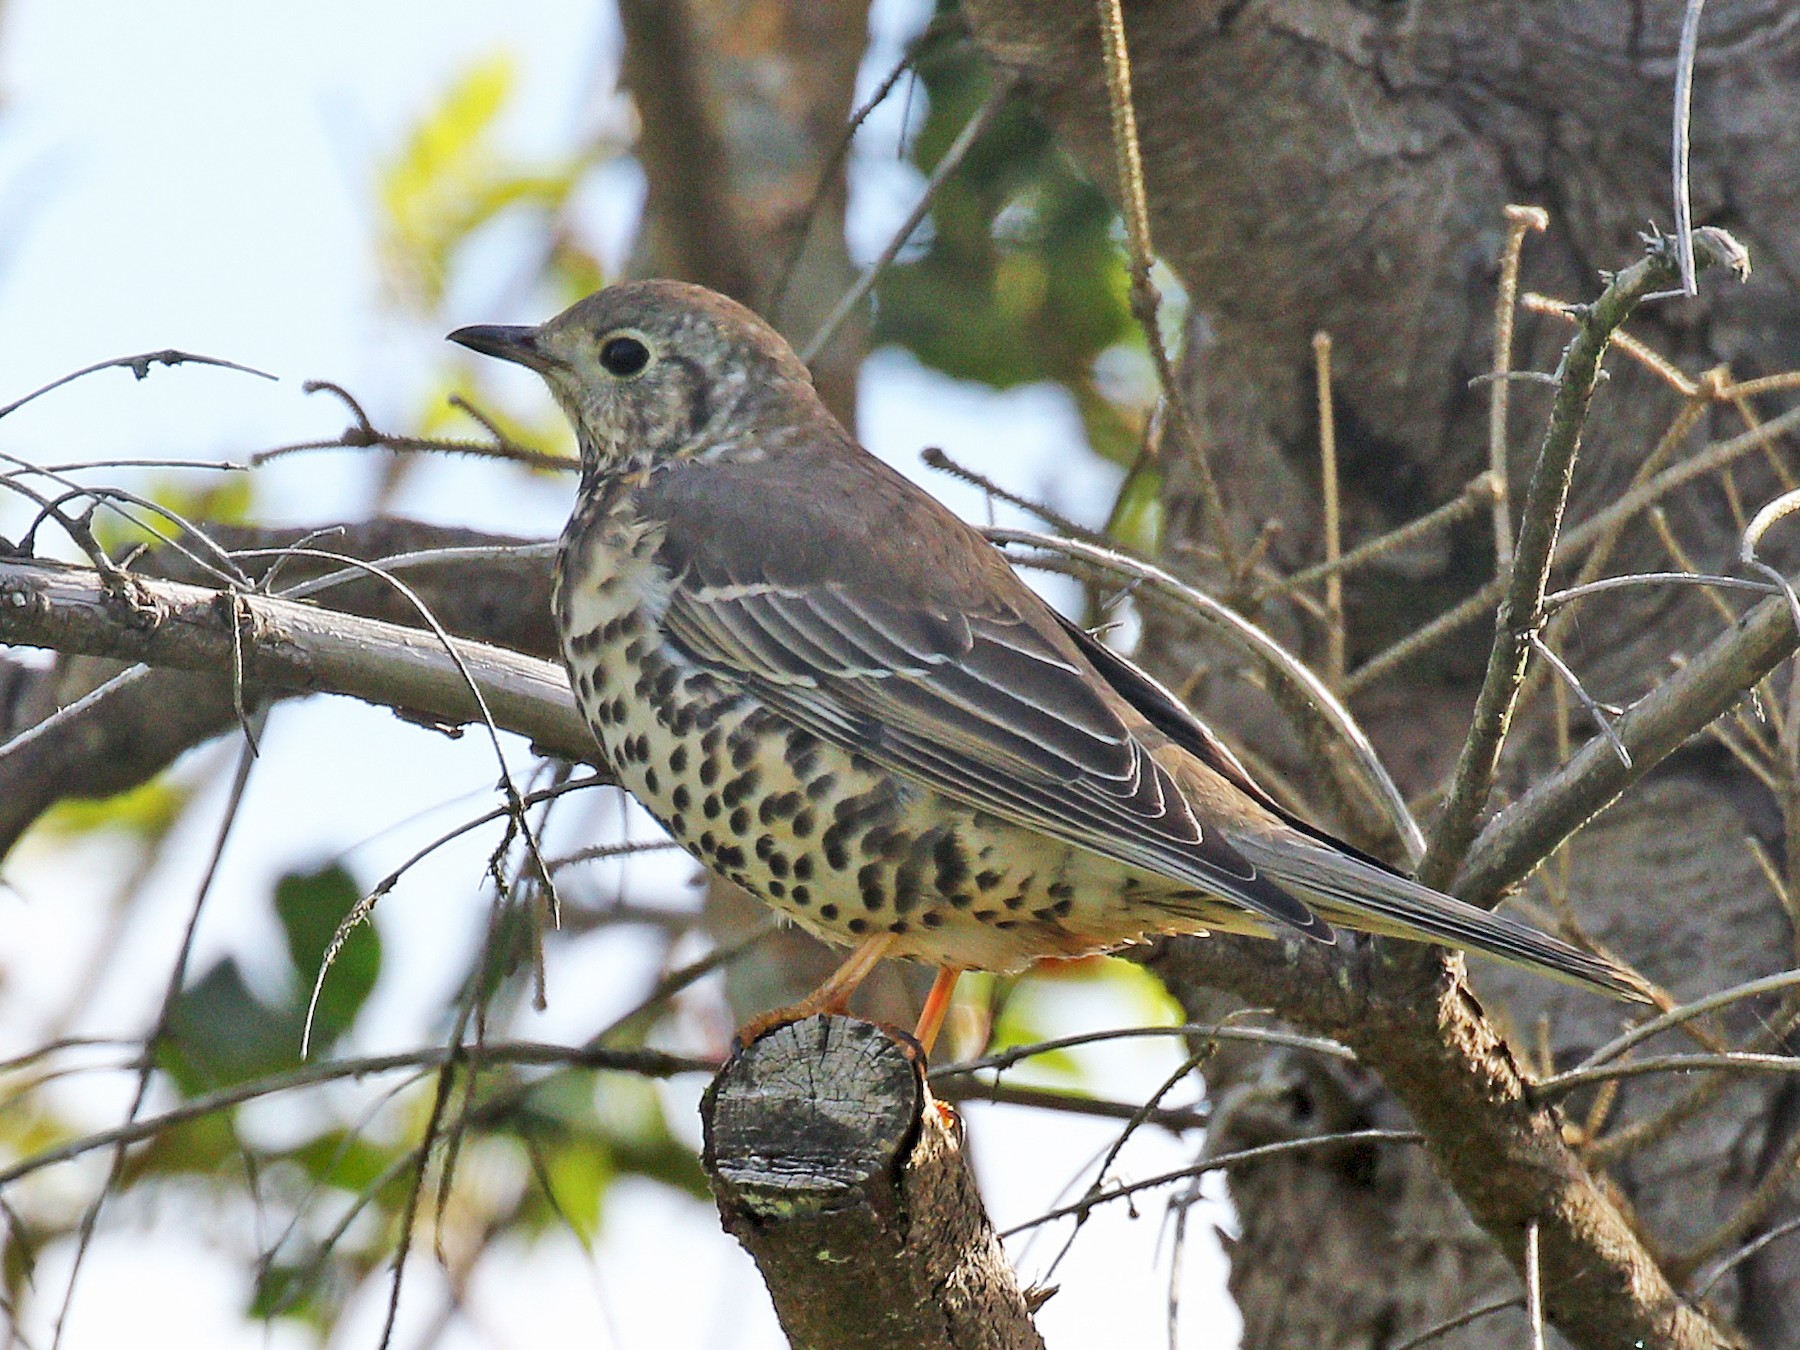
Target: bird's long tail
{"points": [[1355, 894]]}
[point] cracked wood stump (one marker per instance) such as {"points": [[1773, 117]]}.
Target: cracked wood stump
{"points": [[847, 1184]]}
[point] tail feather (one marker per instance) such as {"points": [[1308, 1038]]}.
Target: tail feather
{"points": [[1358, 894]]}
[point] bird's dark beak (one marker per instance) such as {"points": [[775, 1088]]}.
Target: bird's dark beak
{"points": [[508, 343]]}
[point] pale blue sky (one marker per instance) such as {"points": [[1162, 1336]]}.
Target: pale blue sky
{"points": [[200, 174]]}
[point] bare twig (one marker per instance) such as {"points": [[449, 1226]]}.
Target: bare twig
{"points": [[1687, 1012], [1601, 719], [1534, 1287], [1479, 490], [935, 458], [1333, 525], [139, 366], [292, 646], [1005, 1059], [1580, 537], [1146, 303], [1734, 1061], [1176, 1119], [1557, 599], [362, 434], [1461, 1320], [1520, 221], [1526, 832], [953, 157], [1679, 141], [146, 1068], [1521, 609], [508, 787], [1218, 1163], [1645, 355], [1776, 1185], [828, 172], [1743, 1254]]}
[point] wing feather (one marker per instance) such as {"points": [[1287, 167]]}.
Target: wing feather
{"points": [[988, 708]]}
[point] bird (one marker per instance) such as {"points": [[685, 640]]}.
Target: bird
{"points": [[837, 694]]}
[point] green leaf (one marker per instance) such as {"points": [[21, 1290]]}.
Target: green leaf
{"points": [[221, 1033], [444, 163], [577, 1173], [450, 179], [148, 811], [1021, 277], [345, 1160], [311, 906], [212, 498], [1137, 515], [198, 1147]]}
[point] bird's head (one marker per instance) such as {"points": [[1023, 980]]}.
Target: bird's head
{"points": [[650, 371]]}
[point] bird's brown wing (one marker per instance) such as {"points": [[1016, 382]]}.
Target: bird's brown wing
{"points": [[1348, 886], [883, 625]]}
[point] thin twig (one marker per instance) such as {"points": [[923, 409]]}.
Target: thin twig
{"points": [[1687, 1012], [1333, 523], [508, 787], [1646, 1133], [1734, 1061], [1005, 1059], [1478, 491], [1679, 142], [1461, 1320], [159, 1030], [935, 458], [1521, 610], [1646, 356], [829, 171], [1705, 687], [139, 366], [1520, 221], [1776, 1185], [1218, 1163], [362, 434], [1710, 460], [1002, 89], [1139, 1116], [1592, 707], [1175, 1119], [1712, 581], [1146, 303], [1534, 1287], [1743, 1254]]}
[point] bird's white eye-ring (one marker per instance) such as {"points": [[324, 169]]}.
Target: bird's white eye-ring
{"points": [[624, 355]]}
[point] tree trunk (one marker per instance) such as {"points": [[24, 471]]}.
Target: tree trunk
{"points": [[847, 1182], [1328, 166]]}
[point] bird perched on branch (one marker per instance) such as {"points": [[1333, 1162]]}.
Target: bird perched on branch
{"points": [[839, 696]]}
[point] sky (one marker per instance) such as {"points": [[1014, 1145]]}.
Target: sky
{"points": [[201, 174]]}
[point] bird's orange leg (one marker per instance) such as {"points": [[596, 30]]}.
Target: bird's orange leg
{"points": [[937, 1004], [832, 997]]}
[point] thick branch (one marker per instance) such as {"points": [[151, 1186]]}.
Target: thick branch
{"points": [[691, 201], [1527, 832], [139, 729], [286, 645], [847, 1183], [1521, 612], [1502, 1153]]}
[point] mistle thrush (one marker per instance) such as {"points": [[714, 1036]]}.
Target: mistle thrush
{"points": [[839, 696]]}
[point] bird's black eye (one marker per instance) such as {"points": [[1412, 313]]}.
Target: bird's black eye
{"points": [[624, 356]]}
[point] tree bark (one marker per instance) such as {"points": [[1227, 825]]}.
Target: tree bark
{"points": [[1341, 167], [269, 643], [846, 1181]]}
